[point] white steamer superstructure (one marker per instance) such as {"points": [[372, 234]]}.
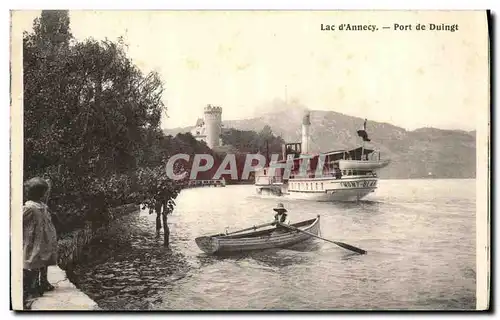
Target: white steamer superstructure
{"points": [[341, 175]]}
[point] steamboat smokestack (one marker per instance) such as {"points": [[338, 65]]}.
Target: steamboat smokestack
{"points": [[306, 124]]}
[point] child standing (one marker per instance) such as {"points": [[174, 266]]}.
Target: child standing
{"points": [[39, 240]]}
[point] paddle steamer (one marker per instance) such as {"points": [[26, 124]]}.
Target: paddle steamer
{"points": [[341, 175]]}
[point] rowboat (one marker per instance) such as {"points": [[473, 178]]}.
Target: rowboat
{"points": [[259, 240]]}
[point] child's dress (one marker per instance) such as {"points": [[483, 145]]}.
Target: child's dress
{"points": [[39, 236]]}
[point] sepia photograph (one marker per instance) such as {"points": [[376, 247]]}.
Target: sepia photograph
{"points": [[250, 160]]}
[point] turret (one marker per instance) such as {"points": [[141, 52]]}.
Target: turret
{"points": [[213, 121]]}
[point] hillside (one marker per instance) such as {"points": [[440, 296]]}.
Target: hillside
{"points": [[414, 154]]}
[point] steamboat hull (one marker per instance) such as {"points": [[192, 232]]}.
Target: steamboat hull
{"points": [[323, 190], [341, 195], [349, 195]]}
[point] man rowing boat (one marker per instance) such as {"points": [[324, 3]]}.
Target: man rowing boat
{"points": [[280, 218]]}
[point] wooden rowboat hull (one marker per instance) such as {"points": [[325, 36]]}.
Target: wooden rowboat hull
{"points": [[258, 240]]}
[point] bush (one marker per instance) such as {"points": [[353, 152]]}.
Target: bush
{"points": [[91, 123]]}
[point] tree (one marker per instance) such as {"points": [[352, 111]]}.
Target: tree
{"points": [[160, 193], [91, 121], [52, 31], [266, 133], [253, 142]]}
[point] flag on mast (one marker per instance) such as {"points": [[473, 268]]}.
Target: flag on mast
{"points": [[363, 134]]}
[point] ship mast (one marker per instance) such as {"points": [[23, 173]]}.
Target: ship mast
{"points": [[363, 148], [364, 136], [363, 145]]}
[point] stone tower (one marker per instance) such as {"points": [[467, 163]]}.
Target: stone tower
{"points": [[213, 122]]}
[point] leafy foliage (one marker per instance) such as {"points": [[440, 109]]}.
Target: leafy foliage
{"points": [[253, 142], [157, 184], [91, 123]]}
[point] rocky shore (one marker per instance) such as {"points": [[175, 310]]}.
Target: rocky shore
{"points": [[127, 267], [73, 249]]}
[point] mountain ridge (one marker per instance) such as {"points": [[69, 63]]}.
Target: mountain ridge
{"points": [[421, 153]]}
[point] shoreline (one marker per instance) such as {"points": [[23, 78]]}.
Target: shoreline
{"points": [[65, 296], [127, 263]]}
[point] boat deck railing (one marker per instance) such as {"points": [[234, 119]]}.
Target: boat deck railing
{"points": [[205, 183], [346, 173], [336, 175]]}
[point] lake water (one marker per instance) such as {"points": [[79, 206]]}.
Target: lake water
{"points": [[419, 234]]}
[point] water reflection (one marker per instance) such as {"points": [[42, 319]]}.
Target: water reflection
{"points": [[128, 267], [306, 246], [365, 205], [349, 256], [280, 259], [270, 257], [431, 257]]}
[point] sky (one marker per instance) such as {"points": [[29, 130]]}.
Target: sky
{"points": [[243, 60]]}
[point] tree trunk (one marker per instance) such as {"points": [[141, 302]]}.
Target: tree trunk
{"points": [[158, 224], [166, 231], [158, 206]]}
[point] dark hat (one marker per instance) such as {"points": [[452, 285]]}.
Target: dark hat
{"points": [[280, 207]]}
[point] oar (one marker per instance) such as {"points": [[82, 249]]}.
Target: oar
{"points": [[340, 244], [252, 228]]}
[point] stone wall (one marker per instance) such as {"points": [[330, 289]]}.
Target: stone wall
{"points": [[70, 247]]}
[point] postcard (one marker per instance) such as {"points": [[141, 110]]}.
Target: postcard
{"points": [[250, 160]]}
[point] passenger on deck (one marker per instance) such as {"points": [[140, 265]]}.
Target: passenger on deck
{"points": [[338, 173], [280, 217]]}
